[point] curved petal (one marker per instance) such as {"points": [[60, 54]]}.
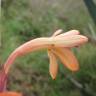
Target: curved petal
{"points": [[69, 41], [53, 67], [57, 32], [71, 32], [67, 58]]}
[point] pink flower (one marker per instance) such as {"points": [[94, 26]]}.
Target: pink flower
{"points": [[58, 46]]}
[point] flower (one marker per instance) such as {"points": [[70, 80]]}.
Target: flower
{"points": [[58, 46], [10, 94]]}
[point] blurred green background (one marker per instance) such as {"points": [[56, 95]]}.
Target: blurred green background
{"points": [[23, 20]]}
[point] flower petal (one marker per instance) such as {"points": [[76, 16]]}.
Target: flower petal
{"points": [[67, 58], [53, 67], [57, 32], [71, 32], [10, 94], [69, 41]]}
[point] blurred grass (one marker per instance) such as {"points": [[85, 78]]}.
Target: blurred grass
{"points": [[25, 20]]}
